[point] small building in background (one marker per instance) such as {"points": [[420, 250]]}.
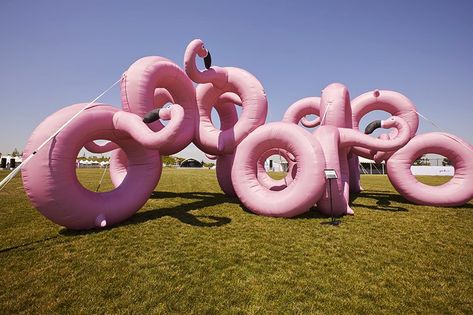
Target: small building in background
{"points": [[276, 163], [8, 162]]}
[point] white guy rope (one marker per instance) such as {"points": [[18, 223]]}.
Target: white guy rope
{"points": [[325, 113], [7, 179], [442, 130], [101, 179], [430, 121]]}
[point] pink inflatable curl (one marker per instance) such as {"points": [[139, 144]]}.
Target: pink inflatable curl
{"points": [[337, 137], [118, 158], [266, 180], [133, 125], [151, 82], [389, 101], [228, 118], [216, 81], [457, 191], [307, 181], [51, 182], [307, 106]]}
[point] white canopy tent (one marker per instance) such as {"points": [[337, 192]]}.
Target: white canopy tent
{"points": [[368, 166]]}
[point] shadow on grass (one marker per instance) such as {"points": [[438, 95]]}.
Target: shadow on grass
{"points": [[206, 199], [467, 206], [313, 213], [383, 199], [180, 212], [7, 249]]}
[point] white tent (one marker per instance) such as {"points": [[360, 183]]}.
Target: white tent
{"points": [[368, 166]]}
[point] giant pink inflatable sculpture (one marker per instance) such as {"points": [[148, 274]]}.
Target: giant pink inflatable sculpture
{"points": [[138, 138]]}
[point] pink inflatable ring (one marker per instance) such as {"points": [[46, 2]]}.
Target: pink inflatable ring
{"points": [[305, 189], [51, 183], [457, 191], [216, 81]]}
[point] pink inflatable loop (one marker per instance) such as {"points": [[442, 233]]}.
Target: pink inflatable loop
{"points": [[389, 101], [228, 118], [215, 82], [457, 191], [161, 98], [226, 111], [307, 106], [142, 87], [308, 184], [224, 174], [162, 140], [118, 167], [216, 75], [97, 148], [211, 157], [50, 178], [271, 183], [352, 137]]}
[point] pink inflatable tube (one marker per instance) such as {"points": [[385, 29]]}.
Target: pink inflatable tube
{"points": [[161, 98], [228, 118], [133, 126], [151, 81], [162, 140], [392, 102], [266, 180], [50, 179], [308, 184], [307, 106], [224, 173], [457, 191], [337, 138], [215, 82], [97, 148], [389, 101]]}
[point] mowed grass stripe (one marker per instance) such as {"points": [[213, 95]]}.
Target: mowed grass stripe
{"points": [[191, 249]]}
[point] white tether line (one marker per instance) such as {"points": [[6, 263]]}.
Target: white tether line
{"points": [[7, 179], [437, 126]]}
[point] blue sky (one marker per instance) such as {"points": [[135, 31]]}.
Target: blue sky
{"points": [[57, 53]]}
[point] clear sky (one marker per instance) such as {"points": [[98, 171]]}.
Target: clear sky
{"points": [[57, 53]]}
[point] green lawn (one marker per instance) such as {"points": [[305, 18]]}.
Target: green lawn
{"points": [[191, 249]]}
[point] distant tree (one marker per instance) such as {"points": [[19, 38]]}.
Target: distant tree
{"points": [[168, 160], [208, 165], [422, 161], [15, 152], [446, 162], [178, 159]]}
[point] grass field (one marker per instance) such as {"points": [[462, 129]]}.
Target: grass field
{"points": [[191, 249]]}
